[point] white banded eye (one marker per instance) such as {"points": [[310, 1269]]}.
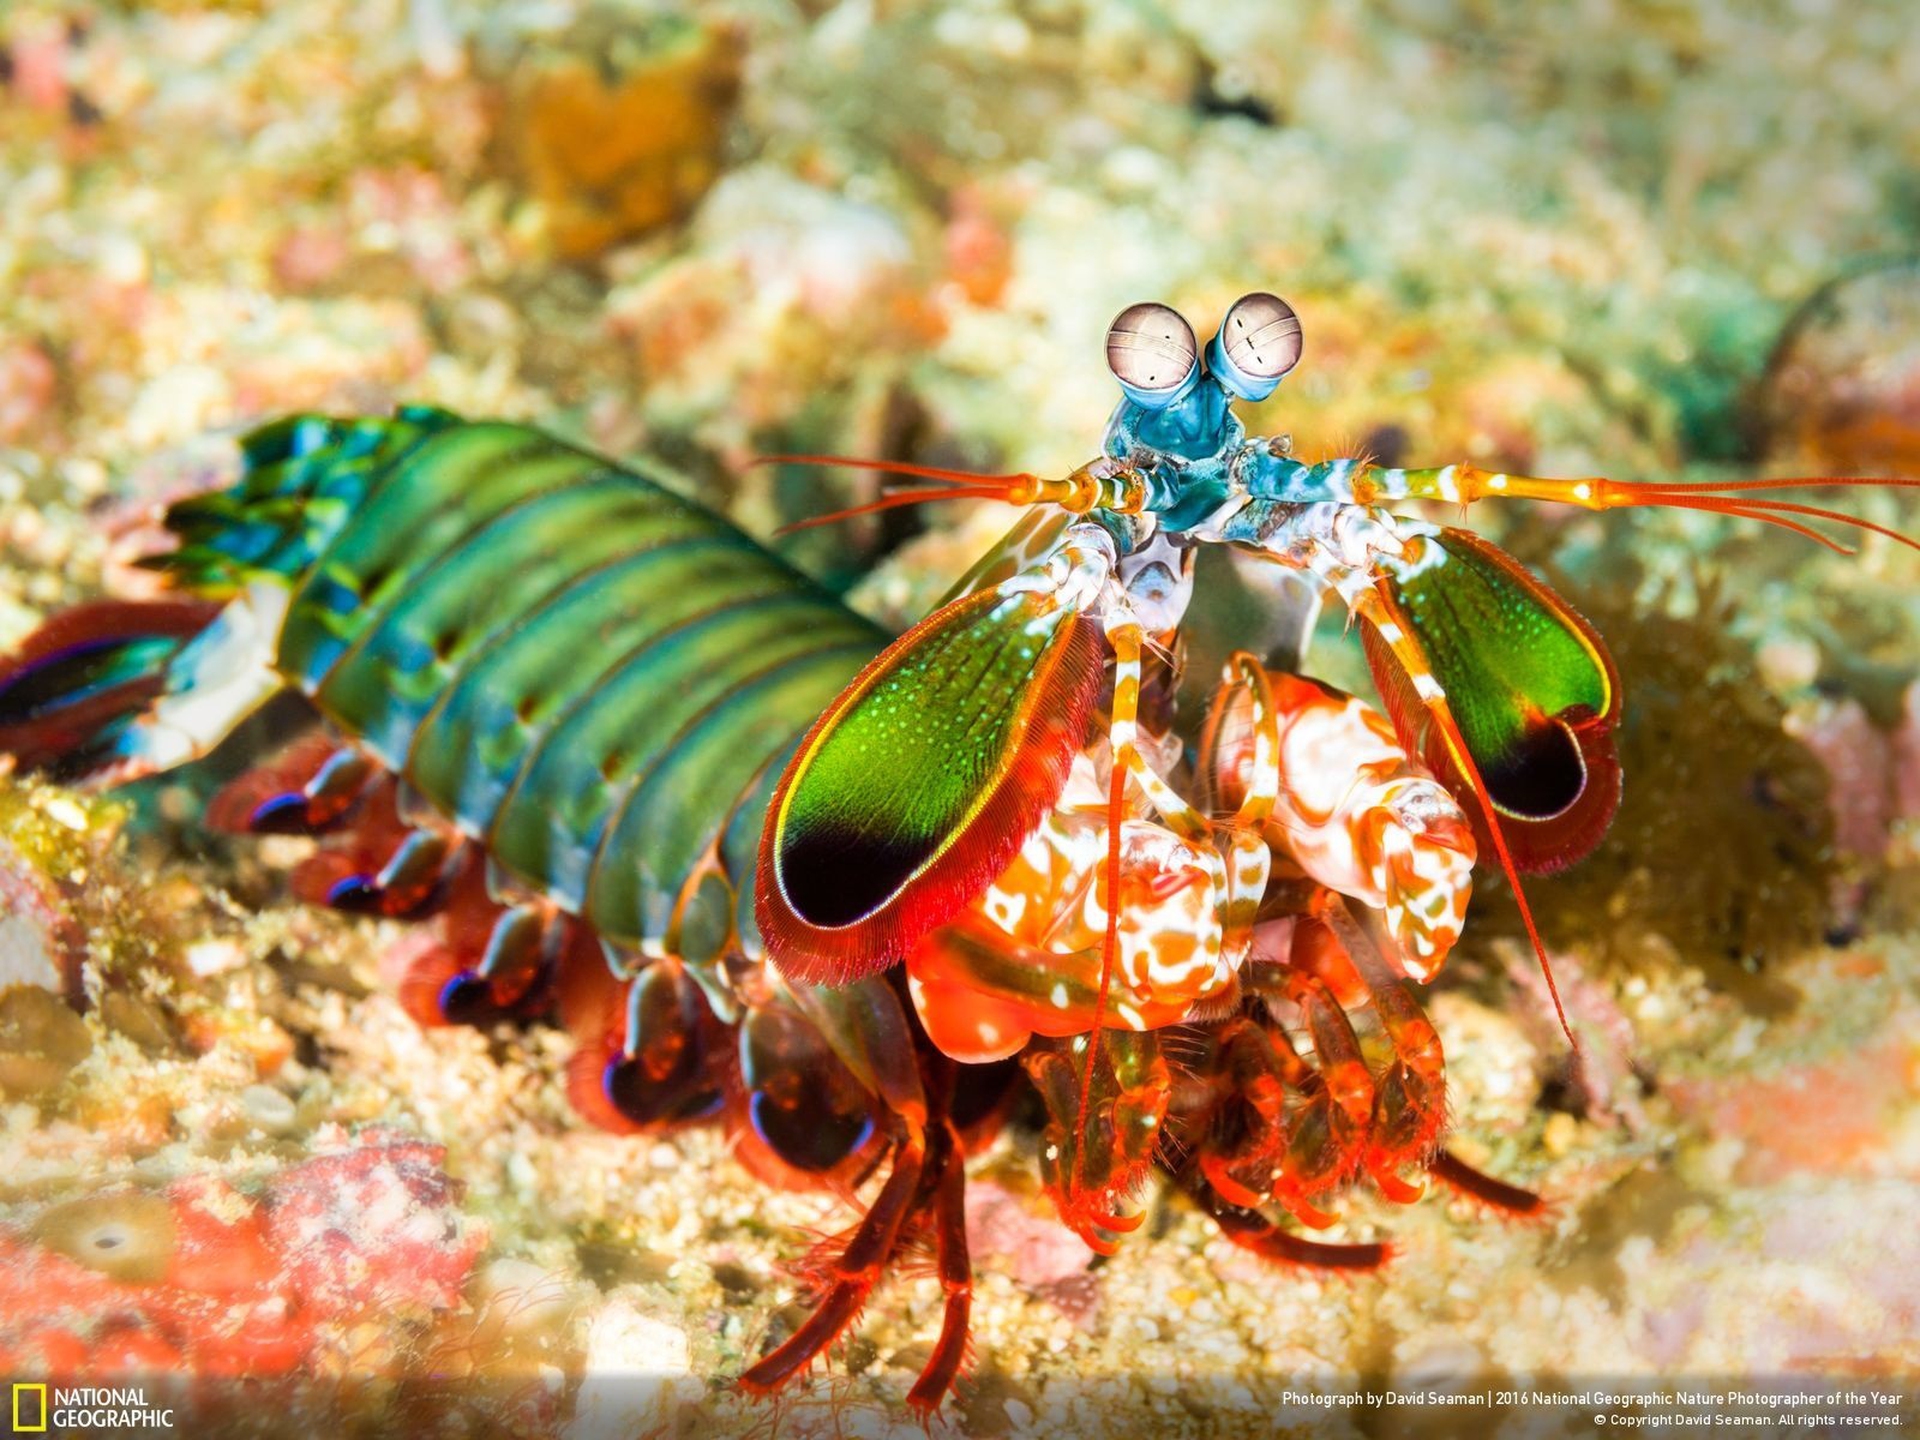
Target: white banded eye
{"points": [[1152, 353], [1258, 343]]}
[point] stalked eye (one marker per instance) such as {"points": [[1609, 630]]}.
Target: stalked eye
{"points": [[1258, 343], [1152, 353]]}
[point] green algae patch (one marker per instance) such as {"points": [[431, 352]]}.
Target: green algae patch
{"points": [[61, 834]]}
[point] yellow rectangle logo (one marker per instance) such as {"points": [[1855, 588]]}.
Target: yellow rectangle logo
{"points": [[20, 1426]]}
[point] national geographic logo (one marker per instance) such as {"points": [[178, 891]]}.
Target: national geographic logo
{"points": [[29, 1409], [40, 1408]]}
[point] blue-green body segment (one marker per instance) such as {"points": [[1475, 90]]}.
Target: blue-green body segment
{"points": [[590, 674]]}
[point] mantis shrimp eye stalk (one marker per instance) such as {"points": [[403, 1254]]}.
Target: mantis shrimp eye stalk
{"points": [[1152, 353], [1258, 344]]}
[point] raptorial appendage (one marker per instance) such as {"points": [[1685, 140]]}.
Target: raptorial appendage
{"points": [[1239, 1068]]}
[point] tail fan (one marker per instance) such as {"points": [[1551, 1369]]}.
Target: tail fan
{"points": [[110, 690], [79, 683], [303, 478]]}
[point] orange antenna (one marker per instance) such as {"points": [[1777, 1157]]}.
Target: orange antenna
{"points": [[1741, 498], [893, 501], [1771, 512], [899, 467], [1442, 715], [1013, 489]]}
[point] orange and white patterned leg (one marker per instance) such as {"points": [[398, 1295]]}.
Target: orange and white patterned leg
{"points": [[1347, 804]]}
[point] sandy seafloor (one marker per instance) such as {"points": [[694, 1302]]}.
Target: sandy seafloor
{"points": [[1563, 239]]}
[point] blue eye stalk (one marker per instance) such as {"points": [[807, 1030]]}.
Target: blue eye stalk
{"points": [[1152, 353], [1169, 407], [1258, 343]]}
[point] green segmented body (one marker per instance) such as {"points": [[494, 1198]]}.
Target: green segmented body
{"points": [[590, 674]]}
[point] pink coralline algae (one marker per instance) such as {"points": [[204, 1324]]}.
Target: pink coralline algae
{"points": [[373, 1226], [210, 1280], [40, 942], [1865, 771], [1906, 758], [1837, 1113], [1859, 763], [28, 386], [1047, 1257]]}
